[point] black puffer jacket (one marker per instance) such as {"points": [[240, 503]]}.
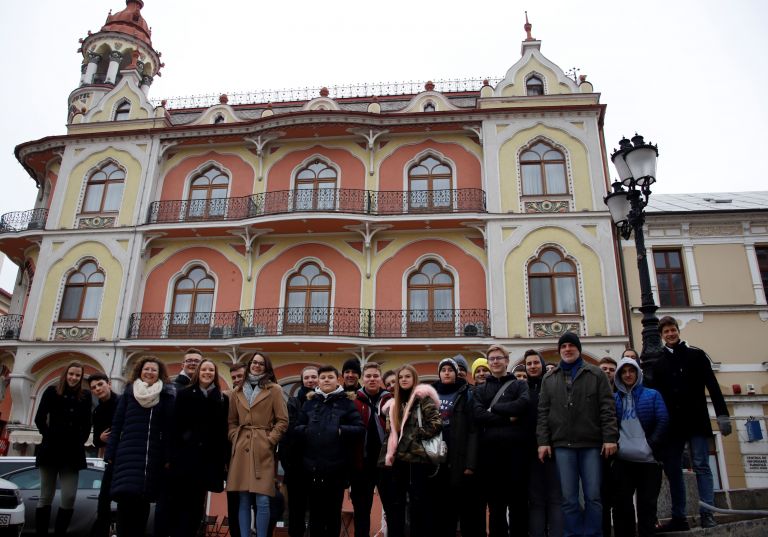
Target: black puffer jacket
{"points": [[462, 434], [329, 427], [505, 422], [200, 448], [139, 446], [289, 450], [65, 423]]}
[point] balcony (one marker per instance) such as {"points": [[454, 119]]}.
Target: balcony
{"points": [[10, 326], [23, 220], [333, 322], [325, 200]]}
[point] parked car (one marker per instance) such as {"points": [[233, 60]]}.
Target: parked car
{"points": [[11, 510]]}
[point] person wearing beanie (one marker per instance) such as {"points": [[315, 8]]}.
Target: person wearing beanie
{"points": [[643, 423], [681, 375], [463, 366], [501, 424], [350, 375], [520, 373], [480, 371], [454, 477], [577, 423], [545, 516]]}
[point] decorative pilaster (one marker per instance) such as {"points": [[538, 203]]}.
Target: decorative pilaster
{"points": [[368, 230], [21, 392], [261, 142], [370, 136], [249, 235]]}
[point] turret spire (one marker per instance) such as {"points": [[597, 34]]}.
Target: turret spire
{"points": [[528, 26]]}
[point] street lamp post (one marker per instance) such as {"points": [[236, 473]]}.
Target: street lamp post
{"points": [[635, 161]]}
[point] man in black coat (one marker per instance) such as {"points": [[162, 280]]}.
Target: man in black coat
{"points": [[502, 438], [681, 375], [192, 359], [101, 387]]}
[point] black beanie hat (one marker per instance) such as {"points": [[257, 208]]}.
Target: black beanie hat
{"points": [[569, 337], [353, 364]]}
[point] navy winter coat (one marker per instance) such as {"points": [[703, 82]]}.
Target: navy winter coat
{"points": [[139, 446], [65, 423], [329, 427]]}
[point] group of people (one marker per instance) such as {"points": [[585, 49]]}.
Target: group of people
{"points": [[524, 443]]}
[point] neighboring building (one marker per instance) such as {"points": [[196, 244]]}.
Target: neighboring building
{"points": [[708, 259], [5, 301], [395, 223]]}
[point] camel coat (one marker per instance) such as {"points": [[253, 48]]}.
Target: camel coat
{"points": [[254, 433]]}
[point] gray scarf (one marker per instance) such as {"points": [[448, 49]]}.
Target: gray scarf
{"points": [[251, 387]]}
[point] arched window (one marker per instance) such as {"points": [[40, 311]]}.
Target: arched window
{"points": [[208, 195], [316, 187], [192, 303], [307, 300], [430, 300], [552, 284], [429, 185], [82, 294], [123, 111], [534, 86], [429, 107], [104, 190], [543, 170]]}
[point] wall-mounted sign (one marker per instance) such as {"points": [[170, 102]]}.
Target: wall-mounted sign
{"points": [[756, 463]]}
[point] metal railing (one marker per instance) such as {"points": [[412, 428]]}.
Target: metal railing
{"points": [[10, 326], [334, 200], [334, 92], [23, 220], [346, 322]]}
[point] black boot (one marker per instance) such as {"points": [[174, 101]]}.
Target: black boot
{"points": [[63, 516], [42, 520]]}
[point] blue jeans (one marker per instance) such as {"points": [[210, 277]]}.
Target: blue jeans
{"points": [[574, 465], [261, 504], [673, 467]]}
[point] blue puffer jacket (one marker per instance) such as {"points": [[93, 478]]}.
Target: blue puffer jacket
{"points": [[139, 446], [649, 405]]}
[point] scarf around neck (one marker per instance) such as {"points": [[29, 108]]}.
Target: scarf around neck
{"points": [[147, 396]]}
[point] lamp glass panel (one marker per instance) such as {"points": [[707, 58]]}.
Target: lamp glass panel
{"points": [[618, 205], [625, 173], [642, 162]]}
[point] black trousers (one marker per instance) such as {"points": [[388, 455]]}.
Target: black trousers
{"points": [[410, 486], [363, 483], [132, 516], [504, 481], [325, 497], [466, 509], [186, 510], [607, 495], [233, 503], [645, 479], [104, 505], [297, 504]]}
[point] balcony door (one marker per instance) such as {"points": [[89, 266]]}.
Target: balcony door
{"points": [[192, 304], [208, 196], [307, 301], [430, 301], [316, 188], [429, 186]]}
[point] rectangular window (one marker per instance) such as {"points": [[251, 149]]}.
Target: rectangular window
{"points": [[671, 278], [762, 262]]}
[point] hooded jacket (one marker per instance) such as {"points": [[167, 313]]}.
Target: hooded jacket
{"points": [[405, 444], [648, 404], [328, 426]]}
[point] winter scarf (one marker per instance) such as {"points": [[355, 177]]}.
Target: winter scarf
{"points": [[147, 395]]}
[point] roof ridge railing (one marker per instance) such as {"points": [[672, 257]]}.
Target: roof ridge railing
{"points": [[380, 89]]}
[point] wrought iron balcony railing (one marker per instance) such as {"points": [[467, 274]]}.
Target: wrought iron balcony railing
{"points": [[346, 322], [334, 200], [23, 220], [10, 326]]}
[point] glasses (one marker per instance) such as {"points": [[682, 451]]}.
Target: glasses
{"points": [[192, 361], [496, 358], [257, 363]]}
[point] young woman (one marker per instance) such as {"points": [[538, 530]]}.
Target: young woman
{"points": [[200, 449], [406, 457], [64, 420], [138, 447], [258, 418]]}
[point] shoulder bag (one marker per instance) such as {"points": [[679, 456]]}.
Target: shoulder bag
{"points": [[435, 447]]}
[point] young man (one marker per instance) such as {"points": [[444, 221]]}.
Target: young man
{"points": [[480, 371], [643, 423], [681, 375], [608, 366], [328, 423], [463, 365], [237, 373], [545, 515], [351, 373], [101, 387], [369, 401], [502, 438], [291, 458], [192, 359], [577, 417]]}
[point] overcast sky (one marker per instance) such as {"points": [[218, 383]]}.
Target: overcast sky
{"points": [[690, 75]]}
